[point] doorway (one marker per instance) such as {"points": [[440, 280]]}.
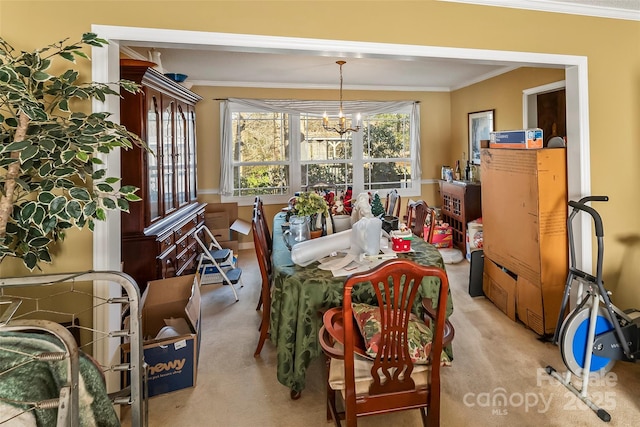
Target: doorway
{"points": [[105, 68]]}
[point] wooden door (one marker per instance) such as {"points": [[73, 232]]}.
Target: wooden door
{"points": [[552, 114]]}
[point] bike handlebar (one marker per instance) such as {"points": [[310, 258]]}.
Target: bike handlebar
{"points": [[580, 205]]}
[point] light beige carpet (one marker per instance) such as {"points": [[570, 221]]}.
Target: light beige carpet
{"points": [[497, 377]]}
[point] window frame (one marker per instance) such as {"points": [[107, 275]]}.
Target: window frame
{"points": [[295, 163]]}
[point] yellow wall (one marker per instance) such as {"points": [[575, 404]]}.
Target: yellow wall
{"points": [[611, 46]]}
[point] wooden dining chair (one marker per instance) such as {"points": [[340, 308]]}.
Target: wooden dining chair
{"points": [[431, 221], [264, 263], [417, 217], [265, 225], [377, 369], [392, 203], [267, 239]]}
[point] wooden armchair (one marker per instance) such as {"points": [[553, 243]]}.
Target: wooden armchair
{"points": [[389, 380]]}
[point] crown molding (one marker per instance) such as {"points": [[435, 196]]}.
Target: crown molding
{"points": [[571, 8]]}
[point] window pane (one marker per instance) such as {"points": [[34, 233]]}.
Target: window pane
{"points": [[382, 175], [260, 137], [264, 179], [338, 174], [387, 136], [320, 144]]}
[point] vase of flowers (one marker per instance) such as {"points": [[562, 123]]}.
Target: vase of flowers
{"points": [[314, 206]]}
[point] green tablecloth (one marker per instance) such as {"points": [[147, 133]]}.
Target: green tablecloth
{"points": [[299, 294]]}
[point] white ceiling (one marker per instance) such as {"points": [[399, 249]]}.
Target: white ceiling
{"points": [[317, 70]]}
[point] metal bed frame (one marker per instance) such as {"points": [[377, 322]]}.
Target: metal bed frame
{"points": [[11, 319]]}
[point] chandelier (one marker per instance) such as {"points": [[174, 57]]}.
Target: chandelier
{"points": [[341, 127]]}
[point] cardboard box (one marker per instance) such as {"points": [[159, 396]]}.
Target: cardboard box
{"points": [[172, 361], [217, 211], [541, 318], [221, 234], [230, 244], [524, 138], [500, 287], [525, 225], [216, 219]]}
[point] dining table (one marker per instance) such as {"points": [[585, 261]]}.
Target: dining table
{"points": [[299, 296]]}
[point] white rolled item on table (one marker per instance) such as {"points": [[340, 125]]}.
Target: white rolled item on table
{"points": [[304, 253]]}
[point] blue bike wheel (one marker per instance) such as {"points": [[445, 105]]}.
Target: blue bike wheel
{"points": [[573, 341]]}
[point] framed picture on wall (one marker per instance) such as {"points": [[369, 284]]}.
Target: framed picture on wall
{"points": [[480, 124]]}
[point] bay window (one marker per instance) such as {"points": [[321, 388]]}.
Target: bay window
{"points": [[278, 147]]}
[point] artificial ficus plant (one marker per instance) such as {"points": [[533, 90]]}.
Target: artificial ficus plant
{"points": [[51, 178]]}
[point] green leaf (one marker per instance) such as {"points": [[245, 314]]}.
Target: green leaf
{"points": [[112, 180], [24, 71], [57, 205], [89, 209], [64, 105], [45, 169], [47, 185], [41, 76], [80, 193], [108, 203], [123, 205], [44, 255], [64, 183], [27, 210], [39, 242], [99, 173], [128, 189], [101, 214], [49, 224], [16, 146], [106, 188], [38, 216], [132, 197], [47, 145], [82, 156], [68, 56], [74, 209], [46, 197], [29, 152], [30, 261]]}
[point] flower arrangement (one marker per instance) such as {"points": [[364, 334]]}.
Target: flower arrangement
{"points": [[309, 204]]}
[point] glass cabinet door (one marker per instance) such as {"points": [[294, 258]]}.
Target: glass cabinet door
{"points": [[153, 168], [191, 153], [168, 155], [181, 154]]}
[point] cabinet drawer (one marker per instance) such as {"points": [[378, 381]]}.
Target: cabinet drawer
{"points": [[167, 263], [185, 228], [166, 241], [183, 243], [183, 259]]}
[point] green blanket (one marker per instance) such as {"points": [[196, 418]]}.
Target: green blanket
{"points": [[35, 381]]}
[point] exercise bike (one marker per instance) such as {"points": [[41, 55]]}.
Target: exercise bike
{"points": [[596, 333]]}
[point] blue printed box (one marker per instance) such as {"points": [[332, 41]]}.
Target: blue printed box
{"points": [[524, 138]]}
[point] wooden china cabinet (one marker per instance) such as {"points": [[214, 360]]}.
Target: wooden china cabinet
{"points": [[158, 232]]}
